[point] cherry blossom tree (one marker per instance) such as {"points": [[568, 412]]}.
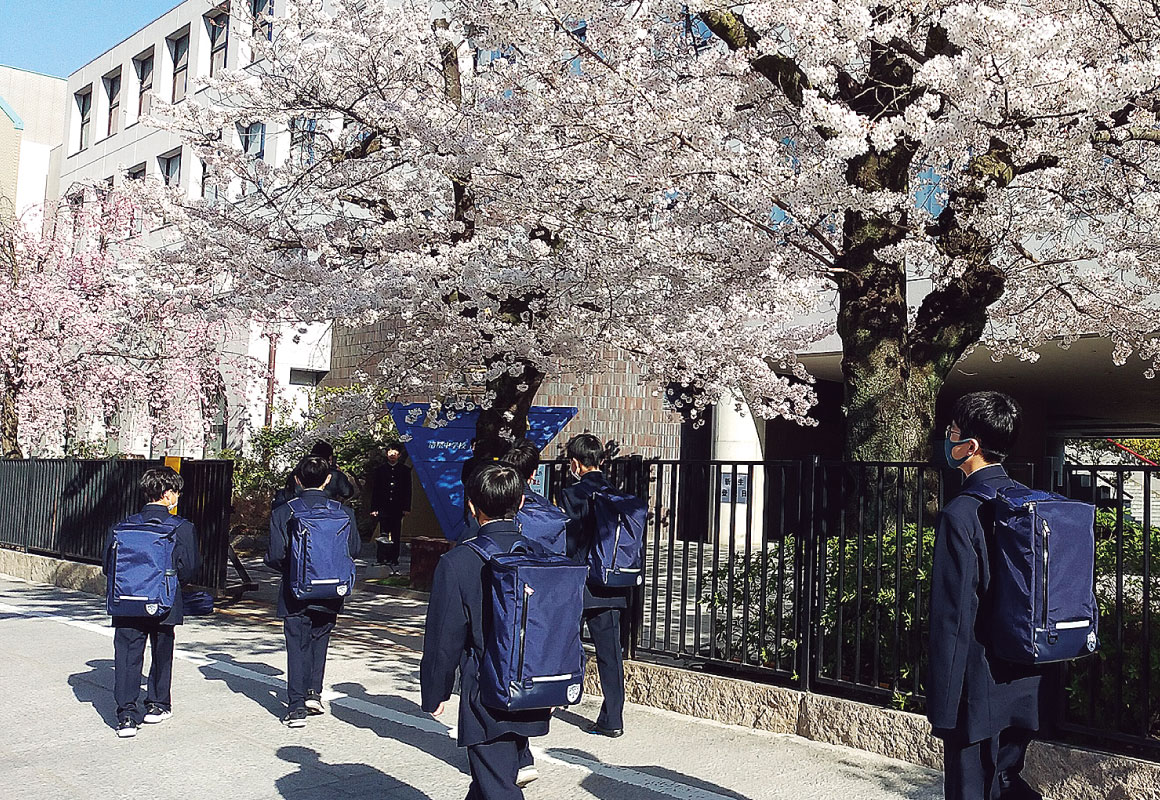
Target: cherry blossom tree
{"points": [[89, 332], [523, 188]]}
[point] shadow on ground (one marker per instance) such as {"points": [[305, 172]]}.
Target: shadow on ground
{"points": [[315, 778], [95, 687], [433, 743]]}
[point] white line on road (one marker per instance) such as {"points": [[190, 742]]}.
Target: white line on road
{"points": [[624, 775]]}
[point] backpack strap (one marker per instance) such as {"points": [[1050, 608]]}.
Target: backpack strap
{"points": [[297, 507], [168, 526], [484, 546]]}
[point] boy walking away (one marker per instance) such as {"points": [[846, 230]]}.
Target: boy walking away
{"points": [[492, 584], [603, 526], [313, 543], [341, 487], [391, 496], [538, 519], [983, 695], [147, 558]]}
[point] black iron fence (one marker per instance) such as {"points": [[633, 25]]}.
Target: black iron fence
{"points": [[64, 507], [816, 574]]}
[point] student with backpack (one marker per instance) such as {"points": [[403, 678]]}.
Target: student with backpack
{"points": [[506, 614], [538, 519], [313, 543], [147, 557], [990, 632], [603, 525]]}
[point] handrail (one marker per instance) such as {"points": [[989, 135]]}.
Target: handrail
{"points": [[1132, 452]]}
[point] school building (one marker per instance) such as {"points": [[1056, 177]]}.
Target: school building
{"points": [[106, 143]]}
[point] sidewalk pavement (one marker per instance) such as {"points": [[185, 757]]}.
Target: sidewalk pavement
{"points": [[225, 741]]}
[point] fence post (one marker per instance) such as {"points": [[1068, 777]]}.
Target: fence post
{"points": [[807, 577]]}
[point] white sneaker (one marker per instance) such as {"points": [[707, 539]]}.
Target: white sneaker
{"points": [[155, 714], [314, 704], [526, 775]]}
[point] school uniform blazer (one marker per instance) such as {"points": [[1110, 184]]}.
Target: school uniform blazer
{"points": [[971, 695], [580, 531], [278, 555], [186, 561], [391, 489], [454, 637]]}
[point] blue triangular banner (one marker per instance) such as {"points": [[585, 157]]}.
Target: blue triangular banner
{"points": [[438, 454]]}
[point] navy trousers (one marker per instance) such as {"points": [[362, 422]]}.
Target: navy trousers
{"points": [[129, 658], [494, 766], [604, 625], [307, 638], [988, 770], [391, 529]]}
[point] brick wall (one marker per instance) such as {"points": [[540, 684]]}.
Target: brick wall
{"points": [[613, 404]]}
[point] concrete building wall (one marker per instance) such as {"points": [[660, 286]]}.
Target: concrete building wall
{"points": [[119, 140], [32, 112]]}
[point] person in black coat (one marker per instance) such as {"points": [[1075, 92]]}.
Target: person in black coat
{"points": [[162, 487], [390, 502], [985, 710], [602, 606], [307, 624], [454, 639]]}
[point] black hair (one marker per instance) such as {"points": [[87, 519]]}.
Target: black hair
{"points": [[496, 489], [323, 449], [587, 449], [159, 480], [397, 446], [524, 456], [312, 472], [991, 419]]}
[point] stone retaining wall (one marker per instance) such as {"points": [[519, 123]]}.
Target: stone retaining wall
{"points": [[52, 571], [1060, 772]]}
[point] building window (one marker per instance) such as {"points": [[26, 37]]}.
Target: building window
{"points": [[262, 10], [303, 133], [179, 50], [253, 139], [170, 166], [211, 190], [136, 217], [84, 100], [113, 91], [218, 26], [144, 66], [307, 377]]}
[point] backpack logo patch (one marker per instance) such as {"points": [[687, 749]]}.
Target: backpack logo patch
{"points": [[573, 693], [1091, 641], [151, 609], [340, 589]]}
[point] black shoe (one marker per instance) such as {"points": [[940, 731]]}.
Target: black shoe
{"points": [[611, 733], [314, 704], [127, 728], [295, 719], [155, 714]]}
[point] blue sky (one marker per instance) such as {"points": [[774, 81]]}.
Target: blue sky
{"points": [[58, 37]]}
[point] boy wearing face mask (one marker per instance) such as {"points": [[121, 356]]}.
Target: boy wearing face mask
{"points": [[162, 487], [985, 709]]}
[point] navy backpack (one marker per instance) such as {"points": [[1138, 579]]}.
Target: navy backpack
{"points": [[1044, 605], [614, 559], [534, 599], [141, 580], [542, 522], [320, 564]]}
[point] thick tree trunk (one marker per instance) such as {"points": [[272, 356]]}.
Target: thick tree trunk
{"points": [[9, 424], [507, 418]]}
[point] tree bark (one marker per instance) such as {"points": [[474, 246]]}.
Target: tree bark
{"points": [[9, 424], [507, 418]]}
